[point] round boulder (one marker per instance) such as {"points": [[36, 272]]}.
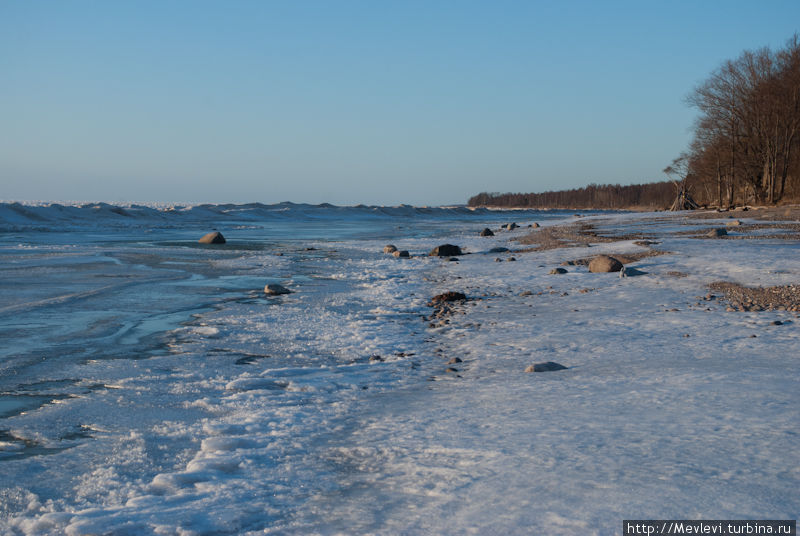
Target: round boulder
{"points": [[212, 238], [389, 248], [604, 263], [557, 271], [511, 226], [445, 250], [487, 232], [714, 233], [276, 290], [401, 253]]}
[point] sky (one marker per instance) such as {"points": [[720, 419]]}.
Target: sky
{"points": [[420, 102]]}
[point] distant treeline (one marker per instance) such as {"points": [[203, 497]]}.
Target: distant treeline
{"points": [[657, 195], [746, 146]]}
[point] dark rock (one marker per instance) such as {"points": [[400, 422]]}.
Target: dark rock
{"points": [[714, 233], [498, 250], [545, 367], [510, 226], [604, 263], [445, 250], [212, 238], [276, 290], [389, 248], [375, 359], [448, 297], [487, 232], [401, 253], [511, 259], [454, 361], [556, 271], [451, 369]]}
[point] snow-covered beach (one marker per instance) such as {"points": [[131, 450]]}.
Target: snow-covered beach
{"points": [[158, 391]]}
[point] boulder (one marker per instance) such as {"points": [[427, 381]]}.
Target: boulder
{"points": [[714, 233], [545, 367], [448, 296], [604, 263], [389, 248], [214, 237], [445, 250], [557, 271], [401, 253], [510, 226], [276, 290], [487, 232]]}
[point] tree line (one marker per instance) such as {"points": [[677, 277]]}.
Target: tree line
{"points": [[745, 147], [658, 195]]}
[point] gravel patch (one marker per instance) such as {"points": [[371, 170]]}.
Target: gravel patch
{"points": [[741, 298]]}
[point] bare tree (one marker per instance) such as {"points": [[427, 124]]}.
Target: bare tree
{"points": [[749, 121]]}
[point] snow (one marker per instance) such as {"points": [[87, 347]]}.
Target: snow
{"points": [[256, 415]]}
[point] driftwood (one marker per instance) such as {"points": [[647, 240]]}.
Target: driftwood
{"points": [[683, 200]]}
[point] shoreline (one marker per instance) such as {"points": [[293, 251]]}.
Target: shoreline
{"points": [[671, 352]]}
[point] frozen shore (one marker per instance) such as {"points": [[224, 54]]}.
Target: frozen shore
{"points": [[672, 406], [347, 408]]}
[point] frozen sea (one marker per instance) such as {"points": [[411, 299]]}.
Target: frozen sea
{"points": [[148, 386]]}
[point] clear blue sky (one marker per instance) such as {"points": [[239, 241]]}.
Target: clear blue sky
{"points": [[377, 102]]}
